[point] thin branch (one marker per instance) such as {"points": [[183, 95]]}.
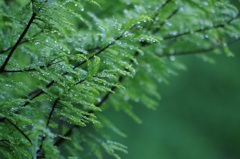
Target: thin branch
{"points": [[32, 69], [164, 22], [38, 92], [50, 117], [223, 25], [157, 12], [200, 51], [18, 42], [47, 123], [51, 113], [15, 126], [22, 42], [98, 52], [68, 133]]}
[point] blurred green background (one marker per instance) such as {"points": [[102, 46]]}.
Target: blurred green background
{"points": [[197, 118]]}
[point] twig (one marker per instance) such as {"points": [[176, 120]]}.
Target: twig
{"points": [[200, 51], [15, 126], [47, 123], [164, 22], [157, 12], [50, 117], [223, 25], [31, 69], [17, 43], [68, 133], [22, 42]]}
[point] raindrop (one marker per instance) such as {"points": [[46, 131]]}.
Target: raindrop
{"points": [[181, 9], [99, 99], [168, 23], [126, 98], [13, 109], [172, 51], [137, 100], [172, 58], [174, 33], [205, 3]]}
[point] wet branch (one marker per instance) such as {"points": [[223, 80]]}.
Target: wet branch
{"points": [[47, 123], [17, 43], [16, 127], [200, 51], [157, 12], [164, 22], [32, 69], [223, 25]]}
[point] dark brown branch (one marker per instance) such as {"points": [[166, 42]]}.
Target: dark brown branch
{"points": [[61, 140], [38, 92], [17, 43], [50, 117], [47, 124], [157, 12], [16, 127], [164, 22], [98, 52], [52, 110]]}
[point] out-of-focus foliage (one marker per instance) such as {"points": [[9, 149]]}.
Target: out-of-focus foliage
{"points": [[60, 62], [197, 117]]}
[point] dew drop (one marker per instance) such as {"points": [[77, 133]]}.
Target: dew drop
{"points": [[99, 99], [172, 58], [126, 98], [205, 3]]}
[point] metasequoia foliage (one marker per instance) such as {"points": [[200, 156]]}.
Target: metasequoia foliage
{"points": [[64, 62]]}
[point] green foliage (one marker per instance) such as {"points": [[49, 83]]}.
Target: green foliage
{"points": [[63, 62]]}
